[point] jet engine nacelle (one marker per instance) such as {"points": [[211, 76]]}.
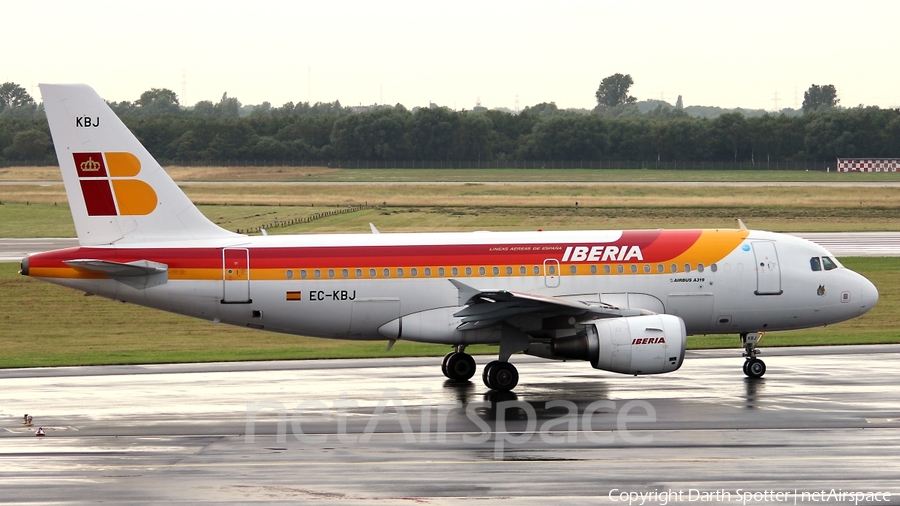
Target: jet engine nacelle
{"points": [[649, 344]]}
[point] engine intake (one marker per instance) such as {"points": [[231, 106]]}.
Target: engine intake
{"points": [[649, 344]]}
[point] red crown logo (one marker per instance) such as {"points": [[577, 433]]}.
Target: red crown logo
{"points": [[90, 165]]}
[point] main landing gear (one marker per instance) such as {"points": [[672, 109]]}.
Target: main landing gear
{"points": [[458, 365], [501, 376], [497, 375], [753, 367]]}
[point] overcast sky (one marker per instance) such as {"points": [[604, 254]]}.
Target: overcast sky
{"points": [[721, 53]]}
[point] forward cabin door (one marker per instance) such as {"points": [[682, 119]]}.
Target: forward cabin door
{"points": [[236, 276], [768, 272]]}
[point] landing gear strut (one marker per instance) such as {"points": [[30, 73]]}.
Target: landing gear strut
{"points": [[753, 367], [458, 365]]}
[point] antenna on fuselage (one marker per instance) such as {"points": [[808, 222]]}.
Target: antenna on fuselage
{"points": [[741, 224]]}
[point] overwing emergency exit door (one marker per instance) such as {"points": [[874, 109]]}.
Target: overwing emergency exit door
{"points": [[551, 272]]}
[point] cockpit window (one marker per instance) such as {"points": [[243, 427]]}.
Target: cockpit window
{"points": [[828, 263], [815, 264]]}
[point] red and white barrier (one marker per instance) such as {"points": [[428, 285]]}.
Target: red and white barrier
{"points": [[868, 164]]}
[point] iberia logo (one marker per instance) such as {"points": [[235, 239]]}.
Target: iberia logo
{"points": [[109, 187]]}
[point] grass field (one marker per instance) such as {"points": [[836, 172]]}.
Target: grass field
{"points": [[48, 220], [42, 211], [46, 325]]}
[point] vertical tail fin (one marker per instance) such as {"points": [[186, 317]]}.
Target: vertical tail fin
{"points": [[117, 192]]}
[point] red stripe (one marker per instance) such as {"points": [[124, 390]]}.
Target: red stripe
{"points": [[656, 246]]}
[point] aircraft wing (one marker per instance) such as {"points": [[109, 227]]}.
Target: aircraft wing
{"points": [[486, 308]]}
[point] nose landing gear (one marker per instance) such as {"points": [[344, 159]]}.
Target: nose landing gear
{"points": [[753, 367]]}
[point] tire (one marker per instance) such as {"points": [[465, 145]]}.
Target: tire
{"points": [[486, 373], [460, 366], [756, 368], [444, 364], [503, 377]]}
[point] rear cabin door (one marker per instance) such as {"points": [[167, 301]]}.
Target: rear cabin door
{"points": [[236, 276]]}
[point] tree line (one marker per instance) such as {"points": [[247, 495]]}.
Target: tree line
{"points": [[228, 131]]}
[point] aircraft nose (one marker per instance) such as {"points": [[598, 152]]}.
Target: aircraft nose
{"points": [[868, 295]]}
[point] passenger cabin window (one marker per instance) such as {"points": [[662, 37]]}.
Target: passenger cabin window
{"points": [[828, 263], [815, 264]]}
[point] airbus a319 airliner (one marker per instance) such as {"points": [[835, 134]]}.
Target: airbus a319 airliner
{"points": [[622, 300]]}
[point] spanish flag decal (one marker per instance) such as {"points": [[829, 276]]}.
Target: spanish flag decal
{"points": [[293, 295]]}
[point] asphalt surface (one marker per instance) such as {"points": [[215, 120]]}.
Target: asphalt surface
{"points": [[13, 250], [393, 431], [838, 243]]}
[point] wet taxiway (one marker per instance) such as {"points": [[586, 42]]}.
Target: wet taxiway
{"points": [[393, 431]]}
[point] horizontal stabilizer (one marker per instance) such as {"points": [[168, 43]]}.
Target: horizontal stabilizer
{"points": [[117, 269]]}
